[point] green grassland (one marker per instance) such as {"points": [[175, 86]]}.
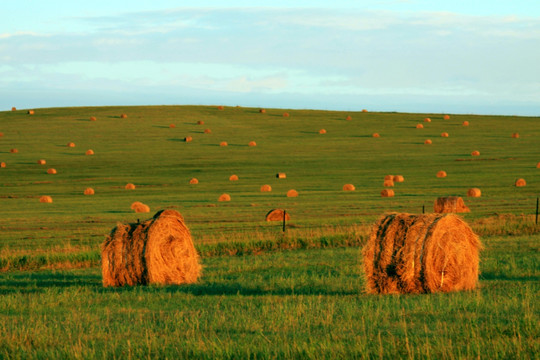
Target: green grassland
{"points": [[266, 301]]}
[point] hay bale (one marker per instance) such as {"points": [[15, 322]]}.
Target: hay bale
{"points": [[188, 139], [252, 143], [441, 174], [349, 187], [292, 193], [93, 118], [475, 153], [281, 175], [51, 171], [157, 251], [207, 131], [194, 181], [389, 177], [221, 107], [2, 164], [41, 162], [474, 192], [388, 183], [465, 123], [277, 215], [446, 117], [88, 191], [450, 204], [444, 134], [348, 118], [322, 131], [130, 186], [223, 143], [421, 254], [515, 135], [419, 126], [376, 135], [45, 199], [200, 122], [71, 144], [520, 183], [1, 134], [89, 152], [538, 165], [14, 151], [427, 120], [364, 111], [172, 126], [286, 114], [233, 178], [30, 112], [262, 111], [123, 116], [224, 197], [139, 207], [266, 188], [14, 109], [399, 178], [428, 142], [387, 193]]}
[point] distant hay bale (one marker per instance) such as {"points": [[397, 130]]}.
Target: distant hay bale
{"points": [[30, 112], [157, 251], [474, 192], [266, 188], [538, 165], [262, 111], [389, 177], [252, 143], [421, 254], [1, 134], [322, 131], [292, 193], [172, 126], [2, 164], [444, 134], [200, 122], [41, 162], [465, 123], [123, 116], [419, 126], [427, 120], [428, 142], [224, 197], [286, 114], [349, 187], [14, 109], [376, 135], [388, 183], [399, 178], [450, 204], [14, 151], [207, 131], [88, 191], [130, 186], [223, 143], [51, 171], [71, 144], [233, 178], [194, 181], [364, 111], [515, 135], [475, 153], [89, 152], [188, 139], [277, 215], [93, 118], [387, 193], [446, 117], [45, 199], [139, 207], [281, 175], [348, 118], [441, 174], [520, 183], [221, 107]]}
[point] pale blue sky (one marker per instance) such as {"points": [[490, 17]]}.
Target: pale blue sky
{"points": [[390, 55]]}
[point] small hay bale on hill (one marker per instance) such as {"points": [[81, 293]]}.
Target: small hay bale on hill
{"points": [[292, 193], [281, 175], [221, 107], [364, 110], [51, 171], [465, 123], [130, 186], [139, 207], [224, 197], [14, 109], [45, 199], [474, 192], [93, 118], [207, 131], [157, 251], [428, 142], [123, 116], [387, 193], [14, 151], [266, 188], [89, 152], [376, 135], [389, 177], [200, 122], [446, 117], [515, 135], [172, 126], [71, 144], [89, 191], [538, 165], [388, 183], [223, 143], [427, 120], [322, 131], [450, 204], [419, 126], [475, 153], [441, 174], [277, 215], [349, 187], [194, 181], [444, 134], [42, 162], [348, 118], [30, 112], [188, 139], [233, 177], [399, 178], [520, 183], [286, 114], [262, 111], [252, 143], [2, 164], [421, 254]]}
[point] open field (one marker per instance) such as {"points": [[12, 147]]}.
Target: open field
{"points": [[266, 303]]}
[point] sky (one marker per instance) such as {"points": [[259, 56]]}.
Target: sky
{"points": [[428, 56]]}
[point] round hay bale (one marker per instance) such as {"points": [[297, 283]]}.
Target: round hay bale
{"points": [[520, 183], [266, 188], [399, 178], [14, 151], [41, 162], [281, 175], [130, 186], [252, 143], [194, 181], [376, 135], [1, 134], [446, 117], [172, 126], [515, 135], [51, 171], [88, 191], [348, 118], [427, 120], [475, 153], [277, 215], [389, 177], [93, 118], [45, 199], [322, 131], [223, 143], [364, 111], [286, 114], [444, 134], [538, 165], [123, 116], [30, 112], [200, 122], [387, 193], [474, 192], [421, 254], [14, 109], [139, 207], [89, 152], [71, 144], [188, 139], [221, 107], [292, 193], [157, 251], [441, 174], [450, 204], [2, 164], [233, 178], [349, 187], [465, 123], [388, 183], [419, 126], [428, 142], [262, 111], [207, 131], [224, 197]]}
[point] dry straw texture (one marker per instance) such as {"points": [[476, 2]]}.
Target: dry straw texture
{"points": [[444, 134], [252, 143], [419, 126], [188, 139], [515, 135], [123, 116], [322, 131], [233, 178], [450, 204], [421, 254], [89, 152], [277, 215], [14, 151], [45, 199], [93, 118], [281, 175], [387, 193], [130, 186], [388, 183], [520, 182], [224, 197], [266, 188], [348, 187], [376, 135], [292, 193], [88, 191], [41, 162], [446, 117], [465, 123], [157, 251], [441, 174], [427, 120], [51, 171], [474, 192], [399, 178], [475, 153], [223, 143], [139, 207], [428, 142], [194, 181]]}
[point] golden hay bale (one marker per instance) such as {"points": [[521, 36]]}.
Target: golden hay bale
{"points": [[474, 192], [207, 131], [446, 117], [221, 107], [322, 131], [427, 120], [51, 171], [281, 175], [224, 197], [349, 187], [292, 193], [389, 177], [252, 143], [123, 116], [130, 186], [515, 135], [89, 152], [364, 111], [465, 123], [262, 111], [387, 193], [88, 191], [421, 254], [388, 183], [1, 134], [172, 126], [14, 151], [93, 118], [70, 144], [188, 139], [200, 122], [444, 134], [45, 199], [277, 215], [376, 135], [157, 251], [428, 142], [266, 188], [475, 153], [233, 178], [286, 114], [14, 109], [30, 112], [348, 118], [441, 174], [223, 143], [2, 164], [450, 204], [194, 181], [538, 165], [41, 162], [399, 178], [139, 207], [520, 183], [419, 126]]}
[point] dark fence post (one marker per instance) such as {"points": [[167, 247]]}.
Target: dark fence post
{"points": [[284, 214], [423, 208], [536, 221]]}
